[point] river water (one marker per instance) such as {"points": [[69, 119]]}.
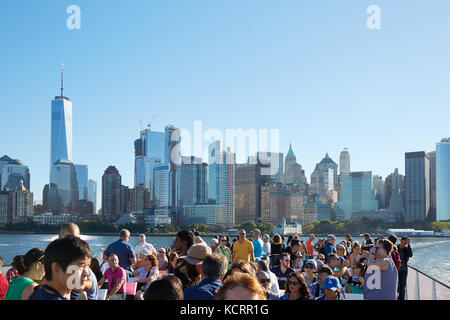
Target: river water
{"points": [[430, 255]]}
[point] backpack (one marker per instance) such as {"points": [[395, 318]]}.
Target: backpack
{"points": [[396, 259]]}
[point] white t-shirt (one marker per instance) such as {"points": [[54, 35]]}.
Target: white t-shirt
{"points": [[144, 245], [274, 289]]}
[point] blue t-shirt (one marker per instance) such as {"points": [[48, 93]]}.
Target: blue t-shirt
{"points": [[92, 293], [282, 277], [46, 293], [123, 251], [329, 248], [205, 290], [257, 247]]}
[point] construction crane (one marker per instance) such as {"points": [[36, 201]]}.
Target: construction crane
{"points": [[151, 122]]}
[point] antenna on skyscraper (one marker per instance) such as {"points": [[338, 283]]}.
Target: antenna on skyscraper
{"points": [[62, 80]]}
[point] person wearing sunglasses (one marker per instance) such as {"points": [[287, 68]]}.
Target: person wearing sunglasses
{"points": [[243, 249], [310, 268], [283, 270], [224, 250], [296, 288], [265, 282]]}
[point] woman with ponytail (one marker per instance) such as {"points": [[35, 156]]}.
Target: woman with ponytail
{"points": [[31, 270]]}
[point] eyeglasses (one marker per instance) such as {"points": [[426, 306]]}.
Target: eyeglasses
{"points": [[309, 266], [287, 260], [294, 283], [264, 280], [223, 240]]}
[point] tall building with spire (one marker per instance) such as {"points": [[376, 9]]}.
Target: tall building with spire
{"points": [[61, 130], [293, 173]]}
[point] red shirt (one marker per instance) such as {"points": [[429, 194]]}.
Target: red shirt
{"points": [[11, 273], [3, 286], [309, 246]]}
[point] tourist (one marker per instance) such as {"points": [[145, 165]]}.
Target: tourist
{"points": [[117, 279], [123, 251], [320, 247], [329, 246], [224, 250], [3, 282], [31, 270], [12, 272], [243, 249], [146, 275], [367, 240], [140, 262], [340, 271], [266, 246], [265, 282], [173, 258], [214, 245], [309, 246], [257, 244], [162, 259], [95, 267], [310, 268], [243, 267], [213, 268], [61, 258], [348, 238], [241, 286], [381, 267], [71, 229], [297, 263], [198, 239], [296, 288], [294, 249], [355, 256], [190, 269], [320, 260], [276, 248], [316, 288], [143, 245], [405, 252], [283, 270], [332, 289], [167, 288], [183, 241], [394, 254], [274, 288], [355, 283], [341, 251]]}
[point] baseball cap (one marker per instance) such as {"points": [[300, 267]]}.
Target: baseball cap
{"points": [[196, 253], [214, 240], [331, 236], [312, 262], [331, 283]]}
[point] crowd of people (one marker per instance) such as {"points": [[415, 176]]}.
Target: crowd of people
{"points": [[263, 268]]}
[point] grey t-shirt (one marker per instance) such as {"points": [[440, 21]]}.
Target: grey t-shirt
{"points": [[381, 284]]}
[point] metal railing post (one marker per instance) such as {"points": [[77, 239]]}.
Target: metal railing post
{"points": [[417, 287], [433, 290]]}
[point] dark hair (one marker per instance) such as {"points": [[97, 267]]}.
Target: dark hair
{"points": [[152, 258], [196, 233], [166, 288], [366, 235], [362, 266], [295, 242], [192, 272], [333, 255], [387, 245], [187, 236], [95, 267], [392, 238], [325, 269], [404, 238], [15, 260], [284, 254], [263, 265], [244, 267], [24, 263], [64, 251], [172, 256], [303, 290]]}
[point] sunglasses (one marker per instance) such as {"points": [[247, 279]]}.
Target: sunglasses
{"points": [[223, 240], [264, 280], [309, 266], [294, 283]]}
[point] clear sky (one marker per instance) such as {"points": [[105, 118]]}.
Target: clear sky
{"points": [[311, 69]]}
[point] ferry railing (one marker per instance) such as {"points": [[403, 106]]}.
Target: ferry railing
{"points": [[420, 286]]}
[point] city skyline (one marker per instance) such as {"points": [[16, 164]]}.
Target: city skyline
{"points": [[290, 82]]}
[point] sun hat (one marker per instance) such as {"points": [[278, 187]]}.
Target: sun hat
{"points": [[196, 253]]}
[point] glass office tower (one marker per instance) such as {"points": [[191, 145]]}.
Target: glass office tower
{"points": [[443, 180], [61, 131]]}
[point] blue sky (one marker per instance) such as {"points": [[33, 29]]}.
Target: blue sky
{"points": [[311, 69]]}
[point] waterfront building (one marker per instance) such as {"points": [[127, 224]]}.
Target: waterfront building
{"points": [[380, 191], [443, 180], [111, 194], [5, 207], [396, 200], [417, 177], [357, 195], [163, 186], [64, 177], [12, 171], [192, 182], [92, 194], [51, 219], [21, 204], [140, 198], [61, 128], [82, 180], [432, 213]]}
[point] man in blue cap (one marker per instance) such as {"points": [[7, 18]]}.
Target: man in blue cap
{"points": [[332, 289]]}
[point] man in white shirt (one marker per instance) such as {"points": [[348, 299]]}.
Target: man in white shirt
{"points": [[144, 245]]}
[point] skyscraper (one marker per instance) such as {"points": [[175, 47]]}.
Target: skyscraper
{"points": [[417, 176], [12, 172], [92, 194], [82, 179], [293, 173], [111, 194], [344, 162], [380, 191], [396, 198], [443, 180], [432, 214], [357, 195], [64, 177], [221, 181], [192, 182], [61, 131]]}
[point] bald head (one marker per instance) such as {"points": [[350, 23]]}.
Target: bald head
{"points": [[69, 229]]}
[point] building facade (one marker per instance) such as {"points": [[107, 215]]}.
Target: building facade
{"points": [[443, 180], [417, 178], [111, 194]]}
